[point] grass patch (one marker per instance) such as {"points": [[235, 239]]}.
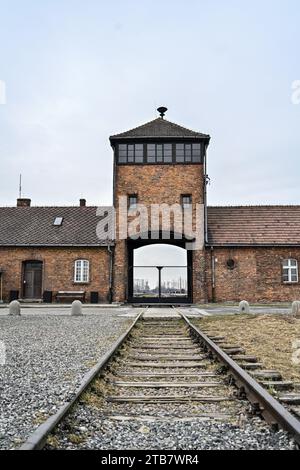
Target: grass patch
{"points": [[40, 418], [76, 439], [53, 442], [268, 337]]}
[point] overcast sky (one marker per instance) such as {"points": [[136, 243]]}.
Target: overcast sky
{"points": [[79, 71]]}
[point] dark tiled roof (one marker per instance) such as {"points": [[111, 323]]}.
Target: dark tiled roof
{"points": [[159, 128], [254, 225], [33, 226], [242, 225]]}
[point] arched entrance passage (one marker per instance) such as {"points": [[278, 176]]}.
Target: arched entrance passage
{"points": [[159, 272]]}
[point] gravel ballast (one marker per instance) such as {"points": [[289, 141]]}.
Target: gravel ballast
{"points": [[47, 356], [97, 432], [135, 404]]}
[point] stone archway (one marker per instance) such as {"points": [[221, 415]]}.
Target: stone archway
{"points": [[159, 271]]}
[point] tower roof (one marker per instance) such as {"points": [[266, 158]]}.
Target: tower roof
{"points": [[160, 128]]}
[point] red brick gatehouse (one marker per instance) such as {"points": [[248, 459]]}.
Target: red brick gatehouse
{"points": [[248, 252]]}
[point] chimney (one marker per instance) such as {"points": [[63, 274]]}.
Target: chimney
{"points": [[23, 202], [82, 202]]}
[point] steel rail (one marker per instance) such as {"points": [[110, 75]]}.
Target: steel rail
{"points": [[273, 412], [37, 439]]}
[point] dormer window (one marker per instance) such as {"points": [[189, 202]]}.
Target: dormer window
{"points": [[159, 153], [131, 153], [187, 153]]}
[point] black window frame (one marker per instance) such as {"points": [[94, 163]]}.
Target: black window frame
{"points": [[131, 153], [183, 203], [161, 154], [186, 152], [130, 197], [158, 152]]}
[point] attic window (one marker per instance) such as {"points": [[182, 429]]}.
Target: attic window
{"points": [[58, 221]]}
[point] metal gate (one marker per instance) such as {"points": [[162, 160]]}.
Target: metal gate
{"points": [[160, 284]]}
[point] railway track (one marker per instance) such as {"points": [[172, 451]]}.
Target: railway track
{"points": [[164, 368]]}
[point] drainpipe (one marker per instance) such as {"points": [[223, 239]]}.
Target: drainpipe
{"points": [[213, 274], [1, 287], [205, 197], [205, 223], [110, 293]]}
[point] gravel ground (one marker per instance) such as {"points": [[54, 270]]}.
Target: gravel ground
{"points": [[196, 434], [46, 358]]}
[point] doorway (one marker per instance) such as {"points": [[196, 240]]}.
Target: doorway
{"points": [[32, 280], [159, 273]]}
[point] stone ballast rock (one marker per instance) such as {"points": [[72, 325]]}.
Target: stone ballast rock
{"points": [[296, 309]]}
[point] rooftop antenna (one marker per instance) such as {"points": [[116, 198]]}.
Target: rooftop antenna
{"points": [[20, 187], [162, 111]]}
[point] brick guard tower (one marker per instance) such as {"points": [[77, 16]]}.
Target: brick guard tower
{"points": [[159, 163]]}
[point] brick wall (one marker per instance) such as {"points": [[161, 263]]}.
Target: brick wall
{"points": [[58, 269], [157, 184], [257, 276]]}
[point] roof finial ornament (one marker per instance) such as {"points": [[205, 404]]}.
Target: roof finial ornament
{"points": [[162, 111]]}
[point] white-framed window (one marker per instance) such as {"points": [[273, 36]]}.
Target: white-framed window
{"points": [[82, 270], [290, 270]]}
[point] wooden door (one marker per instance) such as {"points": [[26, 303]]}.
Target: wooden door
{"points": [[33, 279]]}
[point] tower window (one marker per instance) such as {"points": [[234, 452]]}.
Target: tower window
{"points": [[131, 153], [186, 153], [186, 201], [132, 201], [159, 153]]}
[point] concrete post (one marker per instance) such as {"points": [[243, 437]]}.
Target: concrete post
{"points": [[76, 308], [244, 307], [296, 309], [15, 308]]}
